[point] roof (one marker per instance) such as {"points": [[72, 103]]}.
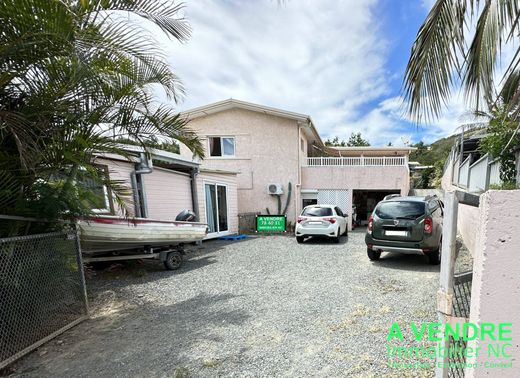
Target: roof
{"points": [[164, 156], [223, 171], [231, 103]]}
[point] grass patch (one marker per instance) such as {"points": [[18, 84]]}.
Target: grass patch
{"points": [[181, 372], [210, 363]]}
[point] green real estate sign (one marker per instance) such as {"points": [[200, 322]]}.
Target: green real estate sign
{"points": [[270, 223]]}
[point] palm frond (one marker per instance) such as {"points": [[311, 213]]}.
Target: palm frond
{"points": [[435, 60]]}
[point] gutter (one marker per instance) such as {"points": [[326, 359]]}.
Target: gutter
{"points": [[145, 167]]}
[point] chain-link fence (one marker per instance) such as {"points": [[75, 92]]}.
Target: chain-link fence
{"points": [[461, 308], [42, 291]]}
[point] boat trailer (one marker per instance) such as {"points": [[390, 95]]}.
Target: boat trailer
{"points": [[171, 257]]}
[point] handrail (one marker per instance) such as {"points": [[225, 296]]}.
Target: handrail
{"points": [[355, 161]]}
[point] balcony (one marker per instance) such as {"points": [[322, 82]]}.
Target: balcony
{"points": [[380, 161]]}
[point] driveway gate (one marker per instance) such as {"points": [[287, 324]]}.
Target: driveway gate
{"points": [[42, 291]]}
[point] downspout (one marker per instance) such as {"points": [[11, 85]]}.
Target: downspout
{"points": [[145, 167], [297, 192], [194, 196]]}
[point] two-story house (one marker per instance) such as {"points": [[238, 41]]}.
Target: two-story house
{"points": [[270, 147]]}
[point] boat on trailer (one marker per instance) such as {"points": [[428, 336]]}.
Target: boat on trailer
{"points": [[136, 238]]}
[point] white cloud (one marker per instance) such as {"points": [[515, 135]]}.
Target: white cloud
{"points": [[326, 59]]}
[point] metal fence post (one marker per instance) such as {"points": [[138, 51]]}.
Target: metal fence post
{"points": [[79, 259], [445, 293]]}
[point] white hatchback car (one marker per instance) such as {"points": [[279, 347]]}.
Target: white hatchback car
{"points": [[321, 220]]}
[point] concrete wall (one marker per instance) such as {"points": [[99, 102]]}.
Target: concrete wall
{"points": [[268, 150], [467, 226], [495, 294]]}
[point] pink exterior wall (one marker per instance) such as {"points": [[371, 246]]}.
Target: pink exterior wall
{"points": [[167, 192], [495, 290], [267, 151], [358, 178], [230, 181]]}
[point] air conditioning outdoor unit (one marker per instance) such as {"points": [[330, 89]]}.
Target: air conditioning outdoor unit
{"points": [[274, 189]]}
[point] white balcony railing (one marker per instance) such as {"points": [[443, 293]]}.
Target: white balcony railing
{"points": [[464, 172], [382, 161]]}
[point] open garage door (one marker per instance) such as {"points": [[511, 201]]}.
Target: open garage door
{"points": [[366, 200]]}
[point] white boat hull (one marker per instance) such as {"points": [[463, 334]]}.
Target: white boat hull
{"points": [[108, 233]]}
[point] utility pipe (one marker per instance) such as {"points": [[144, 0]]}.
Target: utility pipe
{"points": [[145, 166]]}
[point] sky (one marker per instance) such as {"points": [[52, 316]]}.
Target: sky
{"points": [[340, 61]]}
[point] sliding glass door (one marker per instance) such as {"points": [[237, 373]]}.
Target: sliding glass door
{"points": [[216, 207]]}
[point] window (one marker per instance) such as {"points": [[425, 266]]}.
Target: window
{"points": [[400, 209], [317, 212], [221, 146], [339, 212], [98, 199]]}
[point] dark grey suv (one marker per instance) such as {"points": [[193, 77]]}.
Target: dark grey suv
{"points": [[410, 225]]}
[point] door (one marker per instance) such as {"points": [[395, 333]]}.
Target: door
{"points": [[216, 208], [340, 218]]}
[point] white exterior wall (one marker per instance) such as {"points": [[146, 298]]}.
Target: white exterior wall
{"points": [[167, 193], [495, 289], [230, 181]]}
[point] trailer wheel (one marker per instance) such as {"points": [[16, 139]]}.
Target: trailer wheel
{"points": [[173, 260]]}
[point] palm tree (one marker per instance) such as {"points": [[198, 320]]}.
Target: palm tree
{"points": [[72, 74], [445, 55]]}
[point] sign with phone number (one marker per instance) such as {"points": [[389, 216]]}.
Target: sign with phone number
{"points": [[270, 223]]}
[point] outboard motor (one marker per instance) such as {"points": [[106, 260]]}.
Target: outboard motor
{"points": [[187, 216]]}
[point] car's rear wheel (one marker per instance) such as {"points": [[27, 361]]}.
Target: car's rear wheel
{"points": [[299, 239], [335, 239], [373, 255], [434, 258], [346, 231]]}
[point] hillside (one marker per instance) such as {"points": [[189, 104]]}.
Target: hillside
{"points": [[436, 152]]}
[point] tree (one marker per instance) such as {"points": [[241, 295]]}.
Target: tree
{"points": [[441, 59], [503, 140], [335, 142], [73, 73], [356, 140]]}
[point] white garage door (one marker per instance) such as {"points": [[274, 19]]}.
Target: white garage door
{"points": [[340, 198]]}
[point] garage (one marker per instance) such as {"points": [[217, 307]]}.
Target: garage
{"points": [[366, 200]]}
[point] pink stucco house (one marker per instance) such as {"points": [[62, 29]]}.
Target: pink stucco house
{"points": [[268, 147]]}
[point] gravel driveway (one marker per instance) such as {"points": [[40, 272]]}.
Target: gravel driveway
{"points": [[266, 306]]}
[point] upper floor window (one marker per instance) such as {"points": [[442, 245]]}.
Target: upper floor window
{"points": [[221, 146]]}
